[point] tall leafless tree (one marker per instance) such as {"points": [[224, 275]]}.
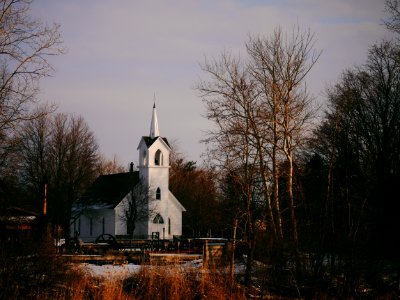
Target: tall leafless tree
{"points": [[61, 151], [260, 108], [25, 46], [280, 64], [229, 96]]}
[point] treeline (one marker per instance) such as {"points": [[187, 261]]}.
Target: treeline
{"points": [[316, 201]]}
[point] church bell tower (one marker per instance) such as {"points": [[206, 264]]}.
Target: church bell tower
{"points": [[154, 152]]}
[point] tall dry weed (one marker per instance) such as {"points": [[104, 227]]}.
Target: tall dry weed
{"points": [[80, 286], [174, 282]]}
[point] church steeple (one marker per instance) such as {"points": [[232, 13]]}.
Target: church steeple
{"points": [[154, 132]]}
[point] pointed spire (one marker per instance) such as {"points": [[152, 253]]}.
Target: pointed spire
{"points": [[154, 132]]}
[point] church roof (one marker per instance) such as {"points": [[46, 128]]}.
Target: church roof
{"points": [[150, 140], [107, 191]]}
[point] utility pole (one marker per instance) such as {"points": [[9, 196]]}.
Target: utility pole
{"points": [[45, 230], [45, 201]]}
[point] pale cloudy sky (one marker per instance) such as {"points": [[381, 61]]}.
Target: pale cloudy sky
{"points": [[122, 52]]}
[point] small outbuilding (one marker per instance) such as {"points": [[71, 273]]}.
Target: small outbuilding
{"points": [[17, 224]]}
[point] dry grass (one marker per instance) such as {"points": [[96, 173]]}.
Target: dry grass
{"points": [[88, 288], [151, 282], [157, 282], [173, 282], [36, 272]]}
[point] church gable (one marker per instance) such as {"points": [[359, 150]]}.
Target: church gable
{"points": [[149, 141]]}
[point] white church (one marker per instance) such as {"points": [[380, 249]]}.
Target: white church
{"points": [[103, 208]]}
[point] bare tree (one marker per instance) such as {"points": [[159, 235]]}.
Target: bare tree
{"points": [[139, 206], [25, 46], [260, 109], [108, 166], [34, 153], [280, 65], [62, 151], [393, 22], [359, 145], [231, 103]]}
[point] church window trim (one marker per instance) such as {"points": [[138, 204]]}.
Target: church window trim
{"points": [[158, 219], [158, 158]]}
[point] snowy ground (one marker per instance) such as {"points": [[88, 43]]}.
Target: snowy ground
{"points": [[110, 271], [123, 271]]}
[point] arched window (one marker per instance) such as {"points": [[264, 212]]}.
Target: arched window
{"points": [[158, 219], [158, 194], [144, 157], [158, 158]]}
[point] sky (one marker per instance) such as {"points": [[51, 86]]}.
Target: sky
{"points": [[124, 54]]}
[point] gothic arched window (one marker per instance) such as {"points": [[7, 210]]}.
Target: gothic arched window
{"points": [[158, 194], [144, 157], [158, 219], [158, 158]]}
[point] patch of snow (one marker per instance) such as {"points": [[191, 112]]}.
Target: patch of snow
{"points": [[110, 271]]}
